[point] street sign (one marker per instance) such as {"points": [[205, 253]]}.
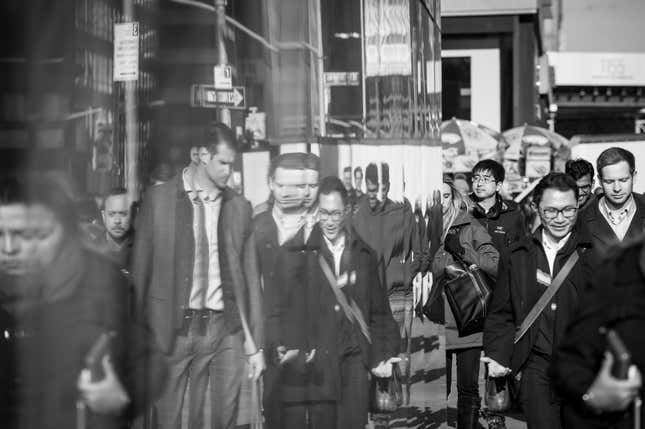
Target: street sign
{"points": [[126, 51], [211, 97], [223, 77]]}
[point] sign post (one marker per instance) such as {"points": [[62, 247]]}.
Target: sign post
{"points": [[211, 97]]}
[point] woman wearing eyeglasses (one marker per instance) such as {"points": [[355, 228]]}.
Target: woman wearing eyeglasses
{"points": [[463, 237]]}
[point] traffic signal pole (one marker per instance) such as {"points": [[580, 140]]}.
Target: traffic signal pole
{"points": [[222, 58]]}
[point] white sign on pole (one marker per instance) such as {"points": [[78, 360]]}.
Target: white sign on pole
{"points": [[126, 51], [223, 77]]}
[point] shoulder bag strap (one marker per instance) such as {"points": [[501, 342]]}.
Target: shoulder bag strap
{"points": [[546, 297]]}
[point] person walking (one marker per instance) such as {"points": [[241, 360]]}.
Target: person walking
{"points": [[464, 238]]}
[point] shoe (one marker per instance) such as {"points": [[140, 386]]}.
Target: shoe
{"points": [[495, 421]]}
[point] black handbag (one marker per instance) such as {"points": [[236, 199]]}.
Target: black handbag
{"points": [[468, 291]]}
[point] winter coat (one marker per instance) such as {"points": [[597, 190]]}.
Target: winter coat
{"points": [[517, 291], [504, 222], [478, 249], [43, 351], [616, 300]]}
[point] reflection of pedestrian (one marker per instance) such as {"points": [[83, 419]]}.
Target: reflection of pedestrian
{"points": [[56, 300], [191, 272], [525, 273], [465, 237], [592, 397]]}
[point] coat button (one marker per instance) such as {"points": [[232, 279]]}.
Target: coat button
{"points": [[554, 306], [336, 307]]}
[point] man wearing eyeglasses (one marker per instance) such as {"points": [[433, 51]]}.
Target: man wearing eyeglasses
{"points": [[526, 271], [619, 214], [503, 219]]}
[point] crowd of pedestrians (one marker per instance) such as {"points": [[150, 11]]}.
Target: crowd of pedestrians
{"points": [[204, 311]]}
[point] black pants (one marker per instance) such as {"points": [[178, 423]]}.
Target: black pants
{"points": [[540, 404], [310, 415], [467, 377]]}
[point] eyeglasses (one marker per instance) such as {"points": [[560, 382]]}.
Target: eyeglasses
{"points": [[550, 213], [335, 215], [483, 179]]}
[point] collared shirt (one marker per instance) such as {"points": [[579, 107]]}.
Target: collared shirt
{"points": [[551, 248], [619, 220], [212, 298], [288, 224], [336, 251], [310, 221]]}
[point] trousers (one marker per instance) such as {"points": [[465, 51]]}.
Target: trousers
{"points": [[537, 397], [200, 356]]}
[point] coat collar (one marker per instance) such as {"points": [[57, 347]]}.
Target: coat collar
{"points": [[495, 211], [227, 193]]}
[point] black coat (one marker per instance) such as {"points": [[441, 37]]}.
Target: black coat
{"points": [[517, 292], [601, 233], [504, 222], [617, 301], [308, 316], [42, 356]]}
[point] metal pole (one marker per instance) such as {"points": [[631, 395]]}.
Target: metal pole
{"points": [[322, 107], [131, 121], [222, 58]]}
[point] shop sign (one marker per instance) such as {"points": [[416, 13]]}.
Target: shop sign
{"points": [[223, 77], [538, 161], [211, 97], [126, 51], [341, 78], [598, 69]]}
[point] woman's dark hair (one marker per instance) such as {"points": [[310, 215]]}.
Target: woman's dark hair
{"points": [[32, 189], [560, 181]]}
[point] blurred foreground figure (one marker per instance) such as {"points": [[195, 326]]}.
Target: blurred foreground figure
{"points": [[593, 397], [190, 270], [56, 300]]}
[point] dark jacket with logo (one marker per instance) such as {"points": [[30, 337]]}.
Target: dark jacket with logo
{"points": [[163, 261], [601, 233], [504, 222], [617, 300], [517, 291]]}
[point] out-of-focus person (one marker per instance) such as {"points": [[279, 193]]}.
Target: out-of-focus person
{"points": [[619, 214], [284, 221], [463, 237], [349, 187], [56, 300], [358, 182], [525, 272], [583, 173], [118, 238], [460, 182], [161, 174], [582, 369], [192, 275], [312, 179]]}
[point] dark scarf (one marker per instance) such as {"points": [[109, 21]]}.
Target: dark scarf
{"points": [[57, 281]]}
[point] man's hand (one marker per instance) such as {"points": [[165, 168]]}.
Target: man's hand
{"points": [[611, 394], [285, 356], [107, 396], [257, 365], [494, 369], [384, 368]]}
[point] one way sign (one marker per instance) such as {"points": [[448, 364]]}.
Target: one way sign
{"points": [[211, 97]]}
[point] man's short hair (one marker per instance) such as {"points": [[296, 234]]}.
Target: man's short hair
{"points": [[371, 173], [312, 162], [614, 155], [358, 170], [217, 133], [347, 170], [579, 168], [288, 161], [32, 188], [491, 166], [331, 184], [559, 181]]}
